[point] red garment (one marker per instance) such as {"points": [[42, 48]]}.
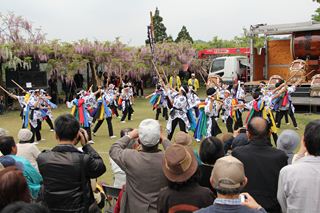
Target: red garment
{"points": [[118, 203], [81, 111], [285, 100]]}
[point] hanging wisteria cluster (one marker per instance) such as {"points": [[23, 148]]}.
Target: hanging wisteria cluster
{"points": [[20, 43]]}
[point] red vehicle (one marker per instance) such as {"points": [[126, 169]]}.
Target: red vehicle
{"points": [[223, 51]]}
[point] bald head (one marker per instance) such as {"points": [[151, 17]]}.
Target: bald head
{"points": [[258, 127]]}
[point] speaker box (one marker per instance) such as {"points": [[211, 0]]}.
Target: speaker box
{"points": [[36, 78]]}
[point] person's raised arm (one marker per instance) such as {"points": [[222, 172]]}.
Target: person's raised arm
{"points": [[118, 149], [278, 88], [163, 139]]}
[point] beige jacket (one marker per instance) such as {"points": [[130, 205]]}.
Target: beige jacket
{"points": [[144, 176]]}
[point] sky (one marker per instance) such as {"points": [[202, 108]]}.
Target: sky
{"points": [[71, 20]]}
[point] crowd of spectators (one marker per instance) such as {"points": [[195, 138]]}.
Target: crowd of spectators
{"points": [[241, 173]]}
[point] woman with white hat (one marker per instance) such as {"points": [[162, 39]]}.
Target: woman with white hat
{"points": [[27, 149]]}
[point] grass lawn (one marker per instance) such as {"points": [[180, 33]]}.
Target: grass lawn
{"points": [[12, 122]]}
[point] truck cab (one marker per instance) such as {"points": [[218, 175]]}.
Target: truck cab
{"points": [[231, 68]]}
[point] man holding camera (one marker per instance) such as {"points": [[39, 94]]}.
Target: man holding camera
{"points": [[66, 171], [143, 168]]}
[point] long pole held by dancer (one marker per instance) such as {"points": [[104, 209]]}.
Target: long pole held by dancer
{"points": [[202, 75], [18, 85], [156, 69], [165, 75], [8, 93]]}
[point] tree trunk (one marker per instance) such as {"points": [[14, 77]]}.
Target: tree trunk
{"points": [[2, 84], [88, 76], [95, 79]]}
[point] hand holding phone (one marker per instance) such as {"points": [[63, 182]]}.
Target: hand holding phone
{"points": [[249, 201]]}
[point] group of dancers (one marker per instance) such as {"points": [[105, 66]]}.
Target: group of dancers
{"points": [[87, 107], [183, 106], [178, 105], [36, 107]]}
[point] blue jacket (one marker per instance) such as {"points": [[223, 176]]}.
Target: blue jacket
{"points": [[33, 177]]}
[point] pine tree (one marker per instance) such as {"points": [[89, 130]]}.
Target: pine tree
{"points": [[184, 35], [169, 38], [316, 16], [159, 29]]}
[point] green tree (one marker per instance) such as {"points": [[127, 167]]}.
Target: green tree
{"points": [[316, 16], [169, 38], [159, 29], [184, 35]]}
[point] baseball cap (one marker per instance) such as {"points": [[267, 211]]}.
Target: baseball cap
{"points": [[182, 138], [179, 163], [228, 173], [149, 132], [24, 135]]}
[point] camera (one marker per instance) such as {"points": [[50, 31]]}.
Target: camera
{"points": [[242, 130]]}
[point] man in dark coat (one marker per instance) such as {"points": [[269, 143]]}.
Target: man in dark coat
{"points": [[262, 164], [66, 171]]}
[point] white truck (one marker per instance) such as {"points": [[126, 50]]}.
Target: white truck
{"points": [[230, 68]]}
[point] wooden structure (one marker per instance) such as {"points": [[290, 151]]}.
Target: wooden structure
{"points": [[302, 42], [315, 86], [213, 81]]}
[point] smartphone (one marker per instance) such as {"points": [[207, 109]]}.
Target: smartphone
{"points": [[242, 198]]}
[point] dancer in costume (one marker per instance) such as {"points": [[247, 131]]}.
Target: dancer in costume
{"points": [[220, 95], [228, 110], [35, 115], [178, 113], [103, 111], [112, 92], [80, 107], [47, 105], [131, 95], [283, 102], [125, 103], [291, 109], [25, 108], [261, 107], [193, 101], [159, 101], [238, 94], [263, 87], [207, 125], [232, 112]]}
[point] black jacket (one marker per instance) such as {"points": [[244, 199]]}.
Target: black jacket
{"points": [[262, 164], [66, 186]]}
